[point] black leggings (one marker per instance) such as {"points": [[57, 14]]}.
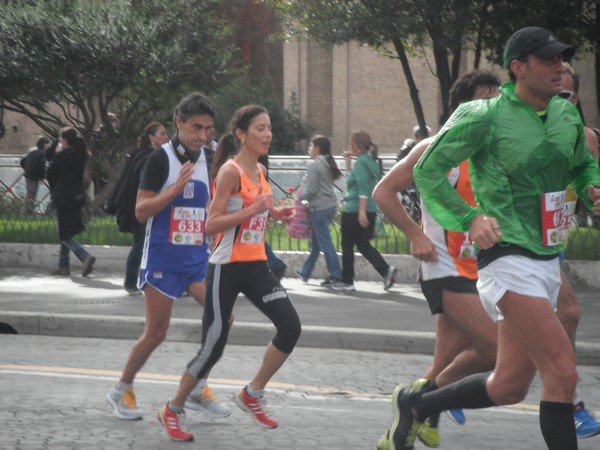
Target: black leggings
{"points": [[354, 234], [224, 282]]}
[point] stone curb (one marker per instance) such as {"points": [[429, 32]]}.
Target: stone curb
{"points": [[582, 274], [585, 274], [242, 333]]}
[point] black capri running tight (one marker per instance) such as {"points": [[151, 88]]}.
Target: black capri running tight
{"points": [[224, 282]]}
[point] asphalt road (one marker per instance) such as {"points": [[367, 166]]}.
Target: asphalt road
{"points": [[333, 392], [53, 389]]}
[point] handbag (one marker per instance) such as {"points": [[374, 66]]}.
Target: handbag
{"points": [[300, 227]]}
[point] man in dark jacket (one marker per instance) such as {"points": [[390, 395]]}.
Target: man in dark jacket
{"points": [[34, 165]]}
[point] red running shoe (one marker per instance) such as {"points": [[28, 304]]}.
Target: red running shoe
{"points": [[174, 424], [255, 406]]}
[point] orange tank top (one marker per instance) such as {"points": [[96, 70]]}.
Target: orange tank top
{"points": [[246, 241], [460, 247]]}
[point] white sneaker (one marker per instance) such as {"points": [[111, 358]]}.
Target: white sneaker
{"points": [[123, 403], [341, 286], [390, 278], [207, 402]]}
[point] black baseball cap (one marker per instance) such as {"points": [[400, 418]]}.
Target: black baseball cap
{"points": [[536, 41]]}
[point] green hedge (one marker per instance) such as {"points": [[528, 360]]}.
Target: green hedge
{"points": [[584, 243], [42, 230], [102, 230]]}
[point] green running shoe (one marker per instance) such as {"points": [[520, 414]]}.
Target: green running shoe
{"points": [[384, 442], [405, 428], [420, 385], [429, 433]]}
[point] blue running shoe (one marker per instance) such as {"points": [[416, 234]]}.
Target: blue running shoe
{"points": [[458, 415], [586, 424]]}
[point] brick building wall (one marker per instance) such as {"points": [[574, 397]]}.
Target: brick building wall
{"points": [[369, 92], [21, 134]]}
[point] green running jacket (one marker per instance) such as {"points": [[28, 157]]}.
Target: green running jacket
{"points": [[515, 158]]}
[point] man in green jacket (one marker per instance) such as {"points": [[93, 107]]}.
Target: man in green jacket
{"points": [[524, 148]]}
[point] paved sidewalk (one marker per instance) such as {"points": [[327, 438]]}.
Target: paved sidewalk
{"points": [[33, 302]]}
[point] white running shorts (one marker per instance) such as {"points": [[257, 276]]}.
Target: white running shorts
{"points": [[519, 274]]}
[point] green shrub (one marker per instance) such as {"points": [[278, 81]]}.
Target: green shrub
{"points": [[584, 244]]}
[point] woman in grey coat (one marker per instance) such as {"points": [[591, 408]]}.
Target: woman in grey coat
{"points": [[317, 191]]}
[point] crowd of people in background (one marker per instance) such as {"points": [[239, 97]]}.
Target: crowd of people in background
{"points": [[198, 210]]}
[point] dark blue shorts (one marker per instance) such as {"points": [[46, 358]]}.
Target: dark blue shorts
{"points": [[172, 284]]}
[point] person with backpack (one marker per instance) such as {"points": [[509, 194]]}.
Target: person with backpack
{"points": [[122, 203], [34, 166]]}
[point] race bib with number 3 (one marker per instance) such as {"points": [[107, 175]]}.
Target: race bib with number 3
{"points": [[187, 225], [253, 230], [556, 217]]}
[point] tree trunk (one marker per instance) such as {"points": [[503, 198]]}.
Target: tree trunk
{"points": [[597, 55], [479, 35], [410, 81], [444, 78]]}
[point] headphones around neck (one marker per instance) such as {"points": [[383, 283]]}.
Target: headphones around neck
{"points": [[189, 155]]}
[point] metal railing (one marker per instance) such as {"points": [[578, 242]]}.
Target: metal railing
{"points": [[16, 225]]}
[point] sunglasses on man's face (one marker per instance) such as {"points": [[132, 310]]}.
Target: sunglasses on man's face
{"points": [[567, 95]]}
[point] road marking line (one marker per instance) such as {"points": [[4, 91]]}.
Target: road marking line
{"points": [[289, 389], [50, 370]]}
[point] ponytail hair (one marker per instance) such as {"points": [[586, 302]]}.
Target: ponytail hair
{"points": [[229, 144], [324, 145], [143, 140], [363, 142], [226, 149]]}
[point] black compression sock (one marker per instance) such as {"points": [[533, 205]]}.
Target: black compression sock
{"points": [[431, 386], [558, 426], [470, 392]]}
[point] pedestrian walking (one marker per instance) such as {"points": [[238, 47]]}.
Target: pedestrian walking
{"points": [[318, 191], [123, 200], [65, 176], [34, 171], [360, 211]]}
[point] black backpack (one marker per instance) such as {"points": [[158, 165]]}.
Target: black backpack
{"points": [[34, 164], [122, 201]]}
